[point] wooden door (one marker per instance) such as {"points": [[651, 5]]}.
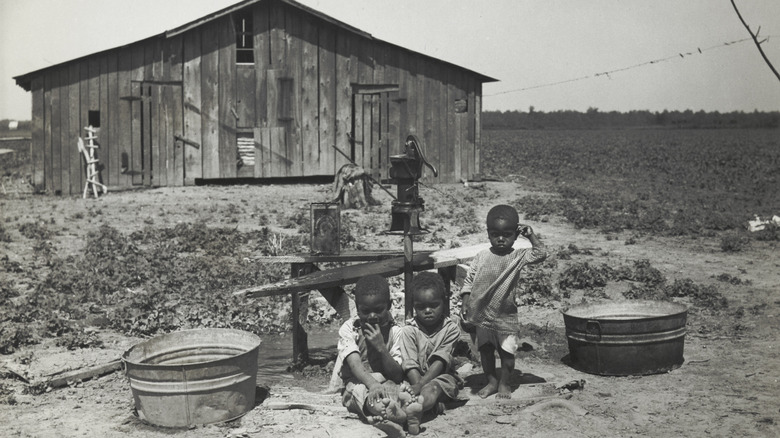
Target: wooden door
{"points": [[160, 148], [375, 136]]}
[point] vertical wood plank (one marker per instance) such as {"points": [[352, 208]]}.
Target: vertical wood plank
{"points": [[173, 52], [343, 97], [210, 101], [471, 148], [295, 156], [441, 112], [156, 145], [149, 149], [273, 159], [392, 137], [56, 132], [405, 81], [430, 101], [74, 128], [193, 168], [113, 105], [137, 133], [358, 122], [376, 135], [262, 147], [48, 155], [279, 148], [37, 133], [228, 150], [174, 72], [104, 152], [477, 125], [365, 70], [327, 100], [454, 123], [309, 89], [245, 96], [155, 49], [278, 37], [67, 143], [84, 106], [366, 62], [165, 136], [417, 96], [177, 130], [123, 150], [276, 166], [262, 45], [137, 75], [146, 132], [94, 100]]}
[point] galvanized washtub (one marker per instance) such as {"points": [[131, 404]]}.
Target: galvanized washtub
{"points": [[626, 338], [193, 377]]}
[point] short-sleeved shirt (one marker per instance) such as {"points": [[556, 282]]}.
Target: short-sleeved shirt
{"points": [[419, 349], [351, 340]]}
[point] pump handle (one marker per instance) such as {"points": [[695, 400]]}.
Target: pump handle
{"points": [[413, 142]]}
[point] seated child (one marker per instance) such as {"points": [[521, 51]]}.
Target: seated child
{"points": [[489, 302], [426, 346], [369, 352]]}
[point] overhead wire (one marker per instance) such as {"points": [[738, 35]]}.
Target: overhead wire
{"points": [[698, 51]]}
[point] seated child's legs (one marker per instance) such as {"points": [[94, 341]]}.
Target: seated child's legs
{"points": [[355, 399]]}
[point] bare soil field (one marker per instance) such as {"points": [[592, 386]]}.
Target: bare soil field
{"points": [[728, 385]]}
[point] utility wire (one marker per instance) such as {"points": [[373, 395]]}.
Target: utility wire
{"points": [[641, 64]]}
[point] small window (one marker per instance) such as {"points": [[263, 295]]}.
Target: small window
{"points": [[94, 118], [245, 51]]}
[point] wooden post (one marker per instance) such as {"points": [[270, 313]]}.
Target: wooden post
{"points": [[448, 274], [408, 269], [299, 301]]}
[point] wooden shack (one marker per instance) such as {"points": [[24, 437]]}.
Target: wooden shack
{"points": [[261, 89]]}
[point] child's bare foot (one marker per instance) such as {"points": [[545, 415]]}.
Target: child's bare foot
{"points": [[504, 391], [395, 412], [489, 389], [414, 413]]}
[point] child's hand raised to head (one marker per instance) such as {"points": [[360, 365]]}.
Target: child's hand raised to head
{"points": [[525, 231]]}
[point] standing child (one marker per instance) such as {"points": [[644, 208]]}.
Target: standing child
{"points": [[369, 351], [488, 296], [426, 346]]}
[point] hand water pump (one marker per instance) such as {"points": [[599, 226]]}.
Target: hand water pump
{"points": [[405, 172]]}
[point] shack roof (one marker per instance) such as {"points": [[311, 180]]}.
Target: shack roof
{"points": [[25, 80]]}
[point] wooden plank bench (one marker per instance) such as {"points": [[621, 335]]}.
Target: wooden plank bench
{"points": [[306, 276]]}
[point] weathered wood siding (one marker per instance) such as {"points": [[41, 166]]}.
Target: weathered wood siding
{"points": [[171, 107]]}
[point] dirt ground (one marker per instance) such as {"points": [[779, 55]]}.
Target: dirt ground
{"points": [[728, 385]]}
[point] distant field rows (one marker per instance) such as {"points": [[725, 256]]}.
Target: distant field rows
{"points": [[719, 178]]}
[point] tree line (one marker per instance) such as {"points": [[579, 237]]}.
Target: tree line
{"points": [[595, 119]]}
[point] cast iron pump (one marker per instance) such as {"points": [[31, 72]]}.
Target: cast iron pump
{"points": [[405, 171]]}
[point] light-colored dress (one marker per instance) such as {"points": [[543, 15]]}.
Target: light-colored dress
{"points": [[491, 281]]}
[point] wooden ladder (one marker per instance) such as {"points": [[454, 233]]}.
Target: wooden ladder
{"points": [[93, 174]]}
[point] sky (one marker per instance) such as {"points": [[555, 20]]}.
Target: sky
{"points": [[549, 54]]}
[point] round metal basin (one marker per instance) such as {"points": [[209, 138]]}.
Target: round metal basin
{"points": [[626, 338], [193, 377]]}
